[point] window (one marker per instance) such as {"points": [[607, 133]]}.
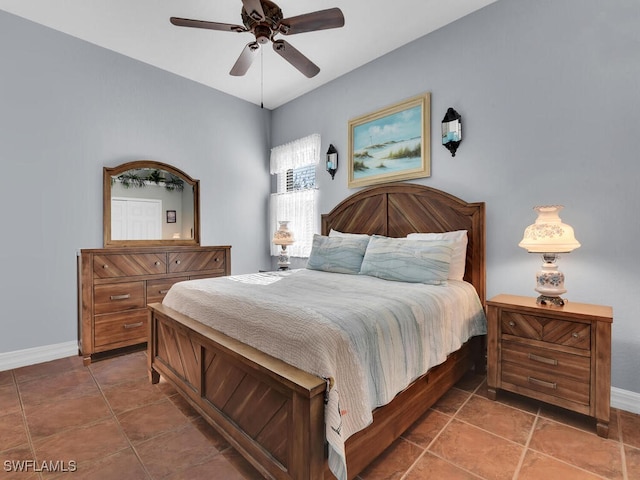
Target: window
{"points": [[296, 197]]}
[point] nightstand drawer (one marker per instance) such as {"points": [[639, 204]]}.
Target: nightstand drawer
{"points": [[116, 297], [549, 361], [547, 383], [546, 329]]}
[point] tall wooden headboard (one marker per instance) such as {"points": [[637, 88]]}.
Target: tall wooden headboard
{"points": [[397, 209]]}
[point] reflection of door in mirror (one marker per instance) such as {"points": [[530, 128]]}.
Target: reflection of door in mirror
{"points": [[138, 207], [136, 219]]}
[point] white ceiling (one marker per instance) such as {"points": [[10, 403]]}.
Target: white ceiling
{"points": [[140, 29]]}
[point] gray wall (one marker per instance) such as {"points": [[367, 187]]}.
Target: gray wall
{"points": [[68, 108], [550, 99], [549, 96]]}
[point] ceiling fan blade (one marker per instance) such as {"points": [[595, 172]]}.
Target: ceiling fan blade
{"points": [[245, 59], [309, 22], [295, 58], [225, 27], [254, 9]]}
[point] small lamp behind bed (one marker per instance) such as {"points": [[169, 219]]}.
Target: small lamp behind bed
{"points": [[283, 237]]}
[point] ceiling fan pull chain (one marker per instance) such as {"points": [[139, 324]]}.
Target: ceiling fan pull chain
{"points": [[261, 78]]}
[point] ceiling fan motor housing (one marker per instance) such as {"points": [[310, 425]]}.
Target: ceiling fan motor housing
{"points": [[272, 14]]}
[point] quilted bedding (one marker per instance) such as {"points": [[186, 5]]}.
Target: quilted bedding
{"points": [[368, 337]]}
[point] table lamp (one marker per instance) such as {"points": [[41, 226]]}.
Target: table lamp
{"points": [[550, 237], [283, 237]]}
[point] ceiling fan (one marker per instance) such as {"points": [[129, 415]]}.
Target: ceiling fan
{"points": [[264, 19]]}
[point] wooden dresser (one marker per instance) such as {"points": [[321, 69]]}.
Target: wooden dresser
{"points": [[116, 284], [560, 355]]}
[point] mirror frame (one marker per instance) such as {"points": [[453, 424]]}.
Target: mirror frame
{"points": [[109, 172]]}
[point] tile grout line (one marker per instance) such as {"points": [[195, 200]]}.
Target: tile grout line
{"points": [[433, 440], [553, 457], [623, 455], [516, 473], [120, 428], [23, 414]]}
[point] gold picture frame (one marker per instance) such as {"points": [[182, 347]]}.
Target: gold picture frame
{"points": [[391, 144]]}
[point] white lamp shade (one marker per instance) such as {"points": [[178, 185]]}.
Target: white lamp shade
{"points": [[548, 234], [283, 236]]}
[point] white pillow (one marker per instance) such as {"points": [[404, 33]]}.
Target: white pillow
{"points": [[336, 233], [459, 255]]}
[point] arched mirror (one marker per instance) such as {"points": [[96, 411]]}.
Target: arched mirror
{"points": [[147, 203]]}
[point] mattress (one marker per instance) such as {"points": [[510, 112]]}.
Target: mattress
{"points": [[368, 338]]}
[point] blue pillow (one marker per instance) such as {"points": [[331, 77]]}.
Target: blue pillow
{"points": [[337, 254], [412, 261]]}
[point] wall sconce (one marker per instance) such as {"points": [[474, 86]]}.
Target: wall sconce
{"points": [[452, 131], [332, 161]]}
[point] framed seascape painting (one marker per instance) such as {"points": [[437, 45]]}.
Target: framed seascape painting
{"points": [[391, 144]]}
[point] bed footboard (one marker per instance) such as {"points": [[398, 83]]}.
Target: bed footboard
{"points": [[269, 411]]}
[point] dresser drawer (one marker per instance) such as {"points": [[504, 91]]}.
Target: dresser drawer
{"points": [[545, 382], [180, 262], [116, 297], [546, 329], [157, 289], [550, 361], [129, 265], [120, 329]]}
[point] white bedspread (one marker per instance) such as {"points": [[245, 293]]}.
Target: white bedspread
{"points": [[371, 337]]}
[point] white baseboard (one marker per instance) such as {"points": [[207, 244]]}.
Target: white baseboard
{"points": [[625, 400], [621, 399], [31, 356]]}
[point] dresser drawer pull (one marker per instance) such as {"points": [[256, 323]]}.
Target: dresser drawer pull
{"points": [[120, 297], [512, 323], [105, 266], [542, 383], [163, 292], [133, 325], [157, 264], [177, 262], [538, 358], [575, 334]]}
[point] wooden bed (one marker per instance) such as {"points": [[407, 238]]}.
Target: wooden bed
{"points": [[273, 413]]}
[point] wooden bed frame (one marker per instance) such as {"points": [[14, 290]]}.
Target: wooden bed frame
{"points": [[273, 413]]}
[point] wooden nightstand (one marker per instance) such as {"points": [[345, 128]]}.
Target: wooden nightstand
{"points": [[560, 355]]}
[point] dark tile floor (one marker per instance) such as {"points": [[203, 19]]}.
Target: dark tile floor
{"points": [[106, 421]]}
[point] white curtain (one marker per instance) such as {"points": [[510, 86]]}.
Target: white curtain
{"points": [[296, 154], [298, 207], [300, 210]]}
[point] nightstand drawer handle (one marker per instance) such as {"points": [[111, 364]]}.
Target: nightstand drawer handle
{"points": [[512, 323], [157, 264], [163, 292], [538, 358], [120, 297], [177, 262], [575, 334], [542, 383], [133, 325]]}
